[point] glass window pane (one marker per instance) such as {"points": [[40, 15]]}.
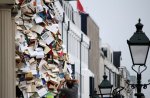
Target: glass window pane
{"points": [[139, 54], [105, 91]]}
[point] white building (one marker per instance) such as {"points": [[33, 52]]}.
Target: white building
{"points": [[107, 66], [77, 45]]}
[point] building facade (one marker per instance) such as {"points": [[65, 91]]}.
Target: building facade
{"points": [[91, 29], [107, 66], [75, 42], [77, 45], [92, 32]]}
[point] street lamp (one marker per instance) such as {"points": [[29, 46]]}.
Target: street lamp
{"points": [[105, 87], [139, 46]]}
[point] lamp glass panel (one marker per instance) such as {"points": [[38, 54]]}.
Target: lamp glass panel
{"points": [[139, 54], [105, 90]]}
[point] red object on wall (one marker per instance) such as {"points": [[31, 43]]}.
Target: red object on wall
{"points": [[79, 6]]}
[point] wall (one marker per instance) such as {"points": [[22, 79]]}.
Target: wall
{"points": [[72, 37], [93, 34]]}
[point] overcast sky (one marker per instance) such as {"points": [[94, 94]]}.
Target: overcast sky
{"points": [[116, 20]]}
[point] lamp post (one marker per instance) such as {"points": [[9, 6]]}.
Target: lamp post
{"points": [[105, 87], [139, 46]]}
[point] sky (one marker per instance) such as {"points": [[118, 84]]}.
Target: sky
{"points": [[116, 20]]}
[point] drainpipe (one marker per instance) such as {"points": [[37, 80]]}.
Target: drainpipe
{"points": [[81, 66], [62, 24], [89, 53], [67, 34]]}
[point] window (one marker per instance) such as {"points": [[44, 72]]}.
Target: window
{"points": [[91, 85], [105, 52]]}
